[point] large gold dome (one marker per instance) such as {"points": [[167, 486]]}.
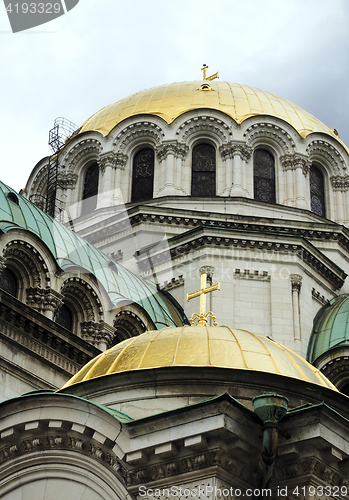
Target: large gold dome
{"points": [[200, 346], [172, 100]]}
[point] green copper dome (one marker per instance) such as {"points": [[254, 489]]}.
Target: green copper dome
{"points": [[331, 328], [74, 253]]}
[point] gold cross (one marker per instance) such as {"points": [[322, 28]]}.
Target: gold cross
{"points": [[204, 74], [202, 317]]}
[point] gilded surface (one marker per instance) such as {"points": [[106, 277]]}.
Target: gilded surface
{"points": [[237, 101], [201, 346]]}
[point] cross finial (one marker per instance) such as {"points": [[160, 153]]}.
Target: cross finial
{"points": [[202, 317], [204, 73]]}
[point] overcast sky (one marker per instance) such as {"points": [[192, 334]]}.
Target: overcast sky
{"points": [[104, 50]]}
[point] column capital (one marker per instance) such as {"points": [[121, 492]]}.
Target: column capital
{"points": [[231, 149], [174, 148], [296, 282]]}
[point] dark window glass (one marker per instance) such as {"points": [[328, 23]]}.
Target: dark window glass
{"points": [[317, 192], [203, 177], [90, 191], [8, 282], [264, 176], [64, 317], [143, 175]]}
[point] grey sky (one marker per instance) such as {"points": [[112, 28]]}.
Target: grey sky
{"points": [[104, 50]]}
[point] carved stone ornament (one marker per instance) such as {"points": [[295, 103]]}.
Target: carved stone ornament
{"points": [[84, 149], [106, 160], [296, 281], [291, 162], [326, 153], [136, 131], [66, 179], [231, 149], [82, 292], [43, 299], [259, 133], [200, 125], [2, 263], [95, 333], [28, 256], [178, 150]]}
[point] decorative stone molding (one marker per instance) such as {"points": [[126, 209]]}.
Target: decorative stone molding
{"points": [[317, 296], [86, 148], [2, 264], [340, 182], [61, 439], [333, 275], [136, 131], [23, 254], [77, 289], [337, 370], [291, 162], [257, 133], [106, 160], [174, 283], [127, 324], [204, 124], [198, 462], [248, 274], [323, 150], [43, 299], [32, 331], [296, 282], [309, 467], [39, 185], [233, 148], [97, 333], [178, 150], [66, 179]]}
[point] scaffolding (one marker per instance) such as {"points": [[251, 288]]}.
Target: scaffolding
{"points": [[62, 130]]}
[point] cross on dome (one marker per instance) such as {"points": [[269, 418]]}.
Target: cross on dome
{"points": [[202, 317]]}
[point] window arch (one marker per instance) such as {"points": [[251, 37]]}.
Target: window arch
{"points": [[203, 177], [264, 176], [317, 191], [90, 189], [143, 175], [9, 282]]}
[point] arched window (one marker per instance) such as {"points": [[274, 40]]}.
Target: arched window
{"points": [[90, 190], [143, 175], [264, 176], [203, 177], [317, 191], [64, 317], [8, 282]]}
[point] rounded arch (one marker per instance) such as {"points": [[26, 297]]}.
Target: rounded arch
{"points": [[81, 302], [89, 188], [27, 265], [271, 135], [130, 321], [200, 127]]}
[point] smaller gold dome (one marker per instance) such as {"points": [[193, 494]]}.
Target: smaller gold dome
{"points": [[200, 346]]}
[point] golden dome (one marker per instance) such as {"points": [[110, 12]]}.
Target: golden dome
{"points": [[172, 100], [200, 346]]}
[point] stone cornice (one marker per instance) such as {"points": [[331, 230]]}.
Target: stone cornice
{"points": [[32, 332], [210, 236]]}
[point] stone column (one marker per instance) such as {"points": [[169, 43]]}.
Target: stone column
{"points": [[288, 167], [120, 163], [338, 185], [106, 164], [66, 181], [241, 154], [227, 156], [168, 152], [296, 281], [302, 168]]}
